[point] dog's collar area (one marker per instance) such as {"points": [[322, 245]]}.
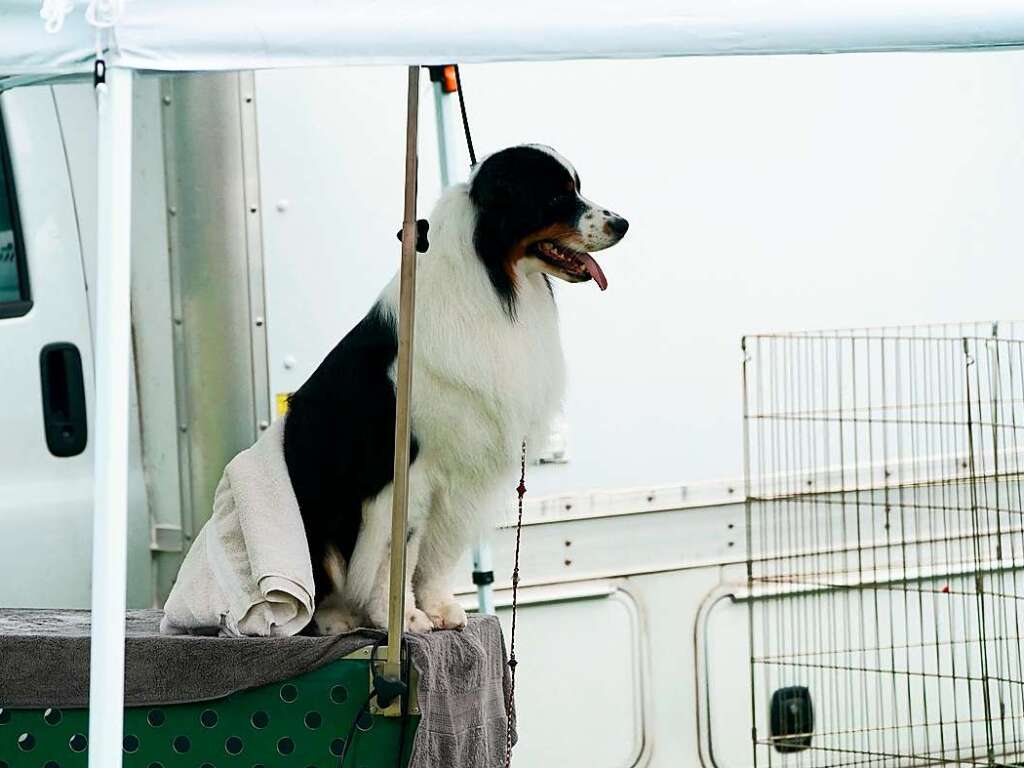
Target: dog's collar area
{"points": [[422, 242]]}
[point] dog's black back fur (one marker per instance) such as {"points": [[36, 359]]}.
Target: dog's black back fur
{"points": [[339, 439]]}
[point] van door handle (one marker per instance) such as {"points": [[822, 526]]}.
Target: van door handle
{"points": [[60, 369]]}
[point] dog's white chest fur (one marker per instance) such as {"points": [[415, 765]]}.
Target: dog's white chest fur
{"points": [[482, 381]]}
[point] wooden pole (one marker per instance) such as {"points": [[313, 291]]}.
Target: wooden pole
{"points": [[406, 310]]}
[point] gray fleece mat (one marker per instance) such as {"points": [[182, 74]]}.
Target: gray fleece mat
{"points": [[44, 662]]}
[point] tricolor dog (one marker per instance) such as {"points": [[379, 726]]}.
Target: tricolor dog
{"points": [[488, 372]]}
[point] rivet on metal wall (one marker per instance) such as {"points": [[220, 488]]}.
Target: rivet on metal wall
{"points": [[259, 322], [264, 424]]}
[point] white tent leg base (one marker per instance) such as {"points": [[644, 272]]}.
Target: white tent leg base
{"points": [[484, 565]]}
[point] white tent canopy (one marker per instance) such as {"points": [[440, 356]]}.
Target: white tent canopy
{"points": [[200, 35]]}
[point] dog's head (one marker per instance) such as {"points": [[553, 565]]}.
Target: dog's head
{"points": [[531, 217]]}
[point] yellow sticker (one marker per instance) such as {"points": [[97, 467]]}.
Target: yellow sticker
{"points": [[282, 402]]}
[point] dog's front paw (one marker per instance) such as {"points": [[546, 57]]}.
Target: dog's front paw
{"points": [[447, 615], [417, 621]]}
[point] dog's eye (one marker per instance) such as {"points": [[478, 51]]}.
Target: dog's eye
{"points": [[560, 201]]}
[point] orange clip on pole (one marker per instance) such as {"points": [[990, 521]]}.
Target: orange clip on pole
{"points": [[449, 83]]}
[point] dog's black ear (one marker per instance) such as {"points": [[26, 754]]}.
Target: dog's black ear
{"points": [[422, 243], [492, 190]]}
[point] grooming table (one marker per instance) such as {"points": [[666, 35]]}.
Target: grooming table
{"points": [[216, 702]]}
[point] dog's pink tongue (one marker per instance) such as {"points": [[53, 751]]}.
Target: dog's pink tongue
{"points": [[595, 270]]}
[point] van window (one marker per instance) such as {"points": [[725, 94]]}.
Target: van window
{"points": [[14, 293]]}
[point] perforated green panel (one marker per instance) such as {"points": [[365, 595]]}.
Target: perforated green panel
{"points": [[301, 722]]}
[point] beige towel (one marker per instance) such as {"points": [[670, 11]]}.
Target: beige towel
{"points": [[248, 571]]}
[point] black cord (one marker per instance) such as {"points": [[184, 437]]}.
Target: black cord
{"points": [[352, 729], [405, 713], [465, 119], [404, 699], [363, 709]]}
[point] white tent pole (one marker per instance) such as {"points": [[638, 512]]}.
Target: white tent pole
{"points": [[449, 135], [113, 348]]}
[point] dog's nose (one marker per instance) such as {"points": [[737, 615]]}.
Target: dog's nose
{"points": [[618, 225]]}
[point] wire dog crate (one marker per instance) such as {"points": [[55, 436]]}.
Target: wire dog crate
{"points": [[886, 545]]}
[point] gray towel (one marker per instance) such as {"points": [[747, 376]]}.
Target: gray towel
{"points": [[44, 662], [248, 571]]}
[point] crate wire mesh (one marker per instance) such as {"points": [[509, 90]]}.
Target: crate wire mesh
{"points": [[886, 545]]}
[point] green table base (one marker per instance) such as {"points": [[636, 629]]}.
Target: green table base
{"points": [[301, 722]]}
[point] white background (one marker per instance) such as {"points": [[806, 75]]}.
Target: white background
{"points": [[764, 194]]}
